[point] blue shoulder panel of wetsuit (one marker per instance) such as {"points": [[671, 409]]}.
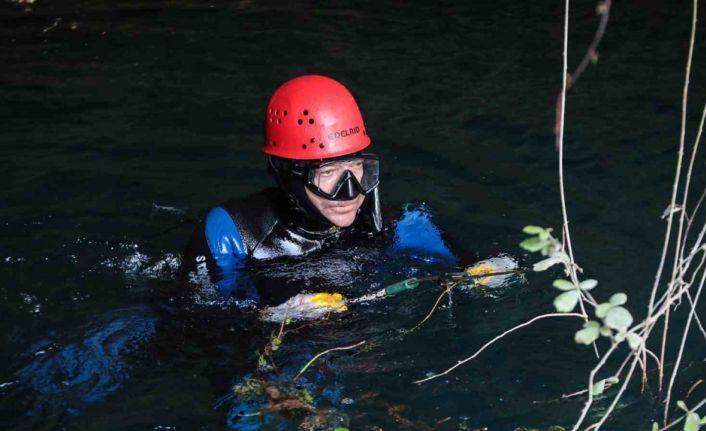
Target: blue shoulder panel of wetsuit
{"points": [[416, 231], [226, 244]]}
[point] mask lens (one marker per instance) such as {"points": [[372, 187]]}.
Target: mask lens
{"points": [[329, 176]]}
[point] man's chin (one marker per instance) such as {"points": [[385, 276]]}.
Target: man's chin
{"points": [[342, 220]]}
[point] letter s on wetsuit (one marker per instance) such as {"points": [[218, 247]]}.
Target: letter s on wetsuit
{"points": [[311, 122]]}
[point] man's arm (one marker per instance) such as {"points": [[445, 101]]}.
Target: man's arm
{"points": [[216, 252], [415, 231]]}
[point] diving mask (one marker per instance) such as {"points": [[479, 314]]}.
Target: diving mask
{"points": [[343, 179]]}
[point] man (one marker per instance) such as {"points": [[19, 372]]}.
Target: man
{"points": [[328, 191]]}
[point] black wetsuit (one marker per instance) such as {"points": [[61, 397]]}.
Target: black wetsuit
{"points": [[260, 228]]}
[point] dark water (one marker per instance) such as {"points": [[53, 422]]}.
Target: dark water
{"points": [[122, 122]]}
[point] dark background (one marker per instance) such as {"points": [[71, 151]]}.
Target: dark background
{"points": [[121, 123]]}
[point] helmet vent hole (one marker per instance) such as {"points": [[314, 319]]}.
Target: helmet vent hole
{"points": [[304, 147], [299, 121], [321, 145], [274, 143], [285, 113], [276, 111], [279, 121], [312, 140], [311, 121], [306, 112]]}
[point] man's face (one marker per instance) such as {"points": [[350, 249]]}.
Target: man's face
{"points": [[339, 213]]}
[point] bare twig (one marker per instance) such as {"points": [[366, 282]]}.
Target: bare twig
{"points": [[591, 377], [696, 248], [677, 421], [690, 219], [683, 343], [652, 355], [489, 343], [620, 393], [559, 128], [675, 188], [591, 55], [284, 321], [683, 287], [436, 304], [696, 316], [603, 9], [691, 389], [308, 364], [574, 394], [687, 183]]}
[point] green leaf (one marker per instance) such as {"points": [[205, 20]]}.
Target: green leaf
{"points": [[618, 299], [562, 256], [592, 324], [533, 230], [564, 285], [634, 340], [655, 426], [546, 250], [340, 429], [605, 331], [262, 364], [586, 336], [545, 264], [703, 421], [682, 405], [306, 396], [618, 318], [276, 342], [533, 244], [612, 380], [566, 302], [546, 234], [598, 388], [588, 284], [603, 309], [692, 422]]}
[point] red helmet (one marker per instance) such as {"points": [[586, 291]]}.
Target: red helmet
{"points": [[313, 117]]}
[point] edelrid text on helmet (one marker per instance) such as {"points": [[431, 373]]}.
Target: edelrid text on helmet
{"points": [[313, 117], [343, 133]]}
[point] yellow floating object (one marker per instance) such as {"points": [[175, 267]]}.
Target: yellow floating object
{"points": [[305, 306], [492, 268], [333, 301], [480, 270]]}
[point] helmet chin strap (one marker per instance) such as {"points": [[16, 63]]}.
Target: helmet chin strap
{"points": [[375, 212]]}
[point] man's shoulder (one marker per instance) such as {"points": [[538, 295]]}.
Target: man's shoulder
{"points": [[253, 215], [415, 229]]}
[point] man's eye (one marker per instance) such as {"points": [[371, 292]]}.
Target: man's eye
{"points": [[326, 173]]}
